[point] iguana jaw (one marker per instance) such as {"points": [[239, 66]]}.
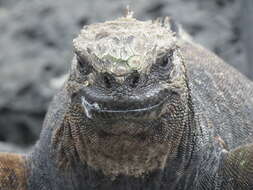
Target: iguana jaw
{"points": [[144, 106], [150, 112]]}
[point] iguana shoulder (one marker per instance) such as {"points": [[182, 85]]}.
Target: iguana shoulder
{"points": [[221, 96], [223, 107], [237, 170], [13, 175]]}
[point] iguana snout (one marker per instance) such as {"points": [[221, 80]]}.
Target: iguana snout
{"points": [[116, 105]]}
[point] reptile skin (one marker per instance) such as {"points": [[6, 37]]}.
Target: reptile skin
{"points": [[143, 107]]}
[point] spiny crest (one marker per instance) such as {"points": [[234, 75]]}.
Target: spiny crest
{"points": [[129, 12], [123, 45]]}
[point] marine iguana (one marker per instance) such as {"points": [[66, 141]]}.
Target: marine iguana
{"points": [[143, 108]]}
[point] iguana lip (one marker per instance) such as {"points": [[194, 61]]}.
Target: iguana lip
{"points": [[149, 112]]}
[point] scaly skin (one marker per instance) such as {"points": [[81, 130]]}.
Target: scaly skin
{"points": [[12, 172], [143, 108]]}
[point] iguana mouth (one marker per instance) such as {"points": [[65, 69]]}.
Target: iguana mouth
{"points": [[149, 112], [149, 105]]}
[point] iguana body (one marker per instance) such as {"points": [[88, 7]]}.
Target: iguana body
{"points": [[143, 108]]}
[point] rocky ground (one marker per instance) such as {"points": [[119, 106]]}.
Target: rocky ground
{"points": [[36, 49]]}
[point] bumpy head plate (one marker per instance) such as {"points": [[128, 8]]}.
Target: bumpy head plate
{"points": [[124, 45]]}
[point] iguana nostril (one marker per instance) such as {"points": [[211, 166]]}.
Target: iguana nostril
{"points": [[134, 79], [107, 80]]}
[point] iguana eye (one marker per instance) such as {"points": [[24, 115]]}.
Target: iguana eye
{"points": [[83, 65], [167, 59]]}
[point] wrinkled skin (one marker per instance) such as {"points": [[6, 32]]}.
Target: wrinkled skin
{"points": [[144, 108]]}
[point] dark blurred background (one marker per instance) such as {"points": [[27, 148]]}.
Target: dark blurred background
{"points": [[36, 47]]}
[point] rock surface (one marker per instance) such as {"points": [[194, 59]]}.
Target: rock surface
{"points": [[36, 47], [8, 147]]}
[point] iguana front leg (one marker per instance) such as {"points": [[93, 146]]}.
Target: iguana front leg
{"points": [[12, 172], [237, 169]]}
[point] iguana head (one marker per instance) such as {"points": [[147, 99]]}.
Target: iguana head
{"points": [[128, 96], [127, 68]]}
